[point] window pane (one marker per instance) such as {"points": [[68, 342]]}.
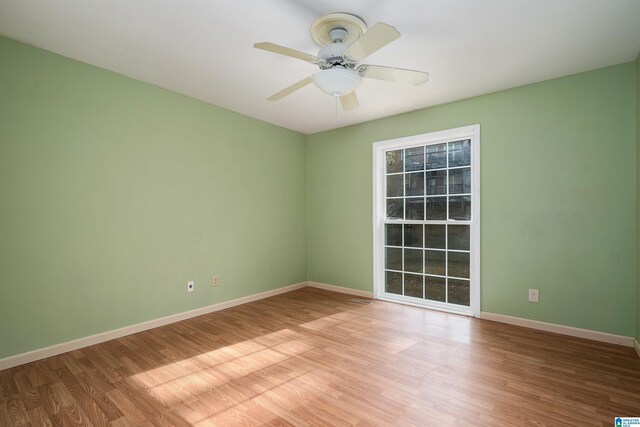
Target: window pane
{"points": [[429, 184], [415, 208], [414, 184], [434, 236], [436, 182], [460, 181], [435, 288], [393, 235], [458, 264], [434, 262], [393, 282], [460, 153], [460, 207], [394, 185], [413, 260], [393, 259], [436, 208], [413, 285], [458, 292], [413, 235], [395, 161], [414, 159], [436, 156], [459, 237], [395, 208]]}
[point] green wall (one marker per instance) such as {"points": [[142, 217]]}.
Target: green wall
{"points": [[115, 193], [557, 197], [637, 64]]}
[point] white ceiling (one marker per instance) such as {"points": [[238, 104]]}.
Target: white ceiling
{"points": [[203, 48]]}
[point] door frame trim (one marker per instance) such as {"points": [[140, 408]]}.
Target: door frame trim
{"points": [[465, 132]]}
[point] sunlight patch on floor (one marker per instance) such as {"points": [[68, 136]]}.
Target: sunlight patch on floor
{"points": [[189, 379]]}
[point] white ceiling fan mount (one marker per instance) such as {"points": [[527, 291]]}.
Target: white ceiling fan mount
{"points": [[345, 41], [321, 29]]}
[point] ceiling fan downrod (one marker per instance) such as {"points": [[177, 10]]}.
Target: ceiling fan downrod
{"points": [[338, 35]]}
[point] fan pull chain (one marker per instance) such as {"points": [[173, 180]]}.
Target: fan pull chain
{"points": [[336, 107]]}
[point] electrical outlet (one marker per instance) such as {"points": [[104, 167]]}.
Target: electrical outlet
{"points": [[190, 286], [534, 295], [215, 281]]}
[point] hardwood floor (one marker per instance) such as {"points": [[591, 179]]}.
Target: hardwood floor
{"points": [[312, 357]]}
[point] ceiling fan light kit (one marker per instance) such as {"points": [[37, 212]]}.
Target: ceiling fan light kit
{"points": [[337, 81], [345, 41]]}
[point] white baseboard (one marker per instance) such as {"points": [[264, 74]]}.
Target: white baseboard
{"points": [[42, 353], [636, 345], [561, 329], [341, 289]]}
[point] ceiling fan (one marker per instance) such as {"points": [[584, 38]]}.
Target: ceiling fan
{"points": [[345, 41]]}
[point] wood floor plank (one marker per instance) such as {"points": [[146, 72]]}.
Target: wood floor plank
{"points": [[8, 386], [28, 392], [86, 403], [16, 413], [125, 406], [312, 357], [72, 414], [50, 403], [154, 411], [39, 417]]}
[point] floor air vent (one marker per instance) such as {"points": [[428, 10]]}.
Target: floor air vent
{"points": [[361, 301]]}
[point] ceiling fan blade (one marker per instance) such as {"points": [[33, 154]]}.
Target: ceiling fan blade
{"points": [[275, 48], [349, 101], [397, 75], [290, 89], [375, 38]]}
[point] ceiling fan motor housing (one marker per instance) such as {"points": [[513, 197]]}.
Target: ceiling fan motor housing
{"points": [[331, 56]]}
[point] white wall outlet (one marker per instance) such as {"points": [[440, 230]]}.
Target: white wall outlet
{"points": [[190, 286], [215, 281], [534, 295]]}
